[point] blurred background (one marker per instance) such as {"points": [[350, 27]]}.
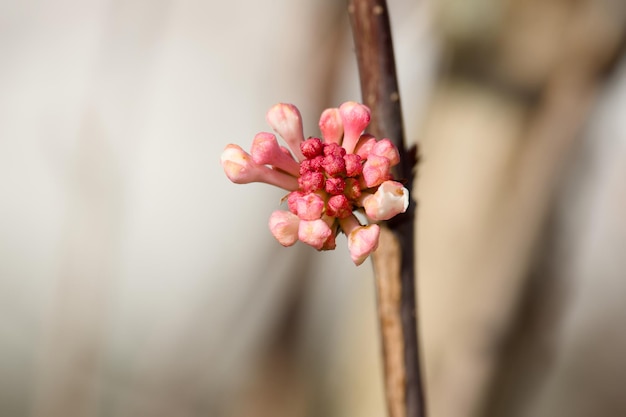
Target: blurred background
{"points": [[136, 280]]}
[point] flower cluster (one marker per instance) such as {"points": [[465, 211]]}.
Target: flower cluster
{"points": [[328, 179]]}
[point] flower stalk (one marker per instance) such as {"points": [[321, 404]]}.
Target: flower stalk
{"points": [[394, 260]]}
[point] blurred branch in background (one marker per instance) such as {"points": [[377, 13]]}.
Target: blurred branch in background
{"points": [[520, 81]]}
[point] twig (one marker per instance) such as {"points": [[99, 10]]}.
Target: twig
{"points": [[394, 261]]}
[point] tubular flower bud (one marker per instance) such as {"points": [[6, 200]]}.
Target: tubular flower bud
{"points": [[240, 168], [390, 199], [364, 145], [362, 240], [376, 170], [285, 119], [331, 126], [292, 201], [284, 226], [353, 165], [311, 148], [329, 179], [355, 118], [265, 150], [339, 206], [314, 232], [309, 206], [385, 148]]}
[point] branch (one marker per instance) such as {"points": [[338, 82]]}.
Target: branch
{"points": [[394, 261]]}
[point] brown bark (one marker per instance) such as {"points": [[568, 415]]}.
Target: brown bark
{"points": [[394, 261]]}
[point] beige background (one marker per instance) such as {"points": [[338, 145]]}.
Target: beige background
{"points": [[135, 280]]}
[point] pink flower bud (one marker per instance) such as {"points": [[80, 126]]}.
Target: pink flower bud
{"points": [[284, 226], [311, 181], [362, 240], [266, 151], [376, 170], [335, 186], [311, 147], [365, 145], [309, 206], [334, 165], [334, 149], [305, 166], [240, 168], [352, 189], [354, 166], [385, 148], [292, 201], [338, 206], [314, 232], [390, 199], [331, 126], [355, 118], [312, 165], [316, 163], [327, 179], [285, 119]]}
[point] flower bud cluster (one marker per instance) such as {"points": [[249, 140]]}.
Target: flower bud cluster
{"points": [[328, 179]]}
